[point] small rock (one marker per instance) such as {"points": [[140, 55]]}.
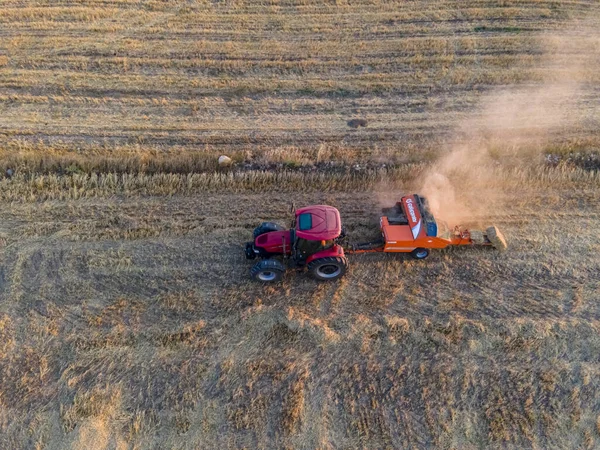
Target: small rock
{"points": [[9, 173], [355, 123], [224, 161]]}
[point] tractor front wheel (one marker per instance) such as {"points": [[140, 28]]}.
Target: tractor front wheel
{"points": [[420, 253], [329, 268], [268, 271]]}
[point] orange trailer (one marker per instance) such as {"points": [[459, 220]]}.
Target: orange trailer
{"points": [[409, 227]]}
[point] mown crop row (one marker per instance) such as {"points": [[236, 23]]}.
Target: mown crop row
{"points": [[74, 186]]}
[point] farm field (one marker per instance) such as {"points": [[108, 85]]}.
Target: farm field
{"points": [[119, 86], [127, 315], [134, 323]]}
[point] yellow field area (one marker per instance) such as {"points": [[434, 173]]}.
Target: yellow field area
{"points": [[128, 318]]}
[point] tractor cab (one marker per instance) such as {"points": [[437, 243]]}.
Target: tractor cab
{"points": [[315, 228]]}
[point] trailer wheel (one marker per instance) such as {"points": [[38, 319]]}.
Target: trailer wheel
{"points": [[268, 271], [329, 268], [420, 253], [266, 227]]}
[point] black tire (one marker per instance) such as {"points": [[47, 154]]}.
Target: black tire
{"points": [[268, 271], [420, 253], [249, 251], [266, 227], [329, 268]]}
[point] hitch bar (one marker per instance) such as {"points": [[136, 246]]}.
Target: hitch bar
{"points": [[367, 247]]}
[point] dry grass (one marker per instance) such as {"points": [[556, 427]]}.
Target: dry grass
{"points": [[34, 188], [127, 317], [134, 322], [119, 86]]}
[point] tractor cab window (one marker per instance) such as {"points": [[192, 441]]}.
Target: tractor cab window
{"points": [[305, 222]]}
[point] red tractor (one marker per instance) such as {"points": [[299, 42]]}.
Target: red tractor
{"points": [[311, 242], [314, 240]]}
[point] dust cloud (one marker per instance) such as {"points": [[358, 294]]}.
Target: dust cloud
{"points": [[511, 127]]}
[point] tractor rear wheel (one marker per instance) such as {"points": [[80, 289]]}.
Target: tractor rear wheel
{"points": [[329, 268], [420, 253], [268, 271], [266, 227]]}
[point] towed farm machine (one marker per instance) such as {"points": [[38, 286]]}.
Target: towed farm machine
{"points": [[315, 240]]}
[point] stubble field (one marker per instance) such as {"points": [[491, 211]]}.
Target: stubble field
{"points": [[127, 316]]}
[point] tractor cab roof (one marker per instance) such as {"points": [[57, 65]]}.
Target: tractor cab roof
{"points": [[318, 222]]}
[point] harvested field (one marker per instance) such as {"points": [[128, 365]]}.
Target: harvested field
{"points": [[168, 86], [127, 316], [133, 321]]}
